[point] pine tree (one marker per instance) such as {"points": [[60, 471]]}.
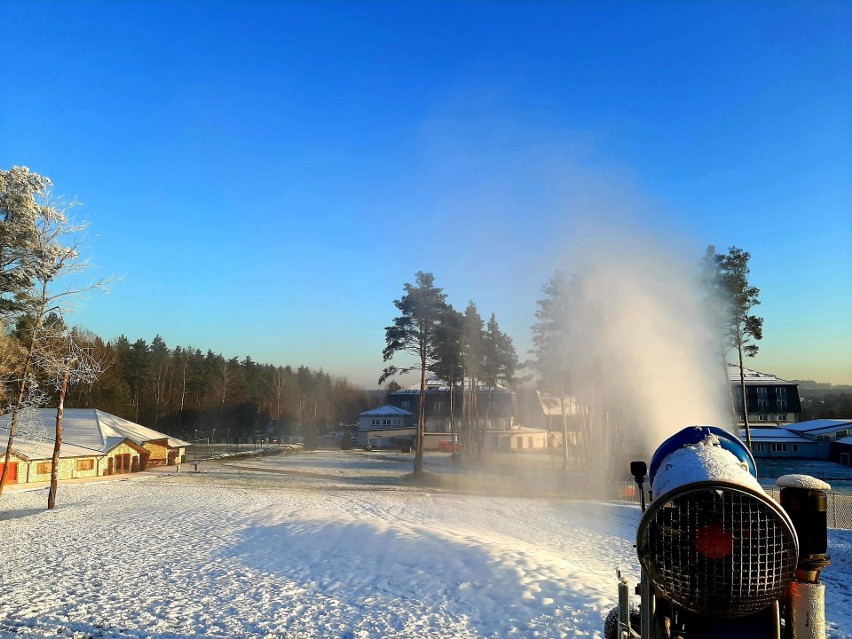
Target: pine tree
{"points": [[738, 297], [550, 337], [414, 331], [472, 357], [449, 363]]}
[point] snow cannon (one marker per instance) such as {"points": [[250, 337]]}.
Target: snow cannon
{"points": [[719, 557]]}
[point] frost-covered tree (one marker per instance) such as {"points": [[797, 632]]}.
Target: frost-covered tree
{"points": [[54, 255], [22, 207], [64, 363]]}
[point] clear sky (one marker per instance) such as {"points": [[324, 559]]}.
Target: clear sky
{"points": [[265, 176]]}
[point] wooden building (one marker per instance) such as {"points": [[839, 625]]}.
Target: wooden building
{"points": [[94, 444]]}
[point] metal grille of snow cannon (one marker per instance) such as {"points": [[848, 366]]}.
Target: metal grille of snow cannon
{"points": [[718, 549]]}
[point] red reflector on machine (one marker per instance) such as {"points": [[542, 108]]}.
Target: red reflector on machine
{"points": [[714, 541]]}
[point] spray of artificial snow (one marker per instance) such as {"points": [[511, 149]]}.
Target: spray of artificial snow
{"points": [[641, 351]]}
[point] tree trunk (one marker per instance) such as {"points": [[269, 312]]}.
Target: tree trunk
{"points": [[57, 444], [421, 419], [743, 393], [453, 418], [182, 396], [564, 422]]}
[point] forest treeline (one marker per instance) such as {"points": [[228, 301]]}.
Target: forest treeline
{"points": [[825, 401], [193, 394]]}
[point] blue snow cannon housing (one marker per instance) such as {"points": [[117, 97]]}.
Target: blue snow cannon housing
{"points": [[694, 434]]}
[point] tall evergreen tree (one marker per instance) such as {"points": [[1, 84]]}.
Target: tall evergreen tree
{"points": [[449, 364], [500, 360], [472, 359], [738, 298], [550, 338], [414, 331]]}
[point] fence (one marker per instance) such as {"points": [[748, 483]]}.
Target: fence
{"points": [[839, 513], [202, 449]]}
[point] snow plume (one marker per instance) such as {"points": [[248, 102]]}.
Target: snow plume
{"points": [[639, 351]]}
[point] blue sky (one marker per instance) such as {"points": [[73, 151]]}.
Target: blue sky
{"points": [[264, 176]]}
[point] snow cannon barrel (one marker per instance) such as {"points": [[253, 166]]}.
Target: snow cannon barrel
{"points": [[712, 541]]}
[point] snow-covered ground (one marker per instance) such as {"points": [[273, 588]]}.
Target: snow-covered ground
{"points": [[251, 550]]}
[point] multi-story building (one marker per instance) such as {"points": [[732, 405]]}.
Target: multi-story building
{"points": [[770, 399]]}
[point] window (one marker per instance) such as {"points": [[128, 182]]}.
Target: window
{"points": [[782, 418], [439, 408], [781, 404], [758, 448], [43, 468], [395, 421], [781, 392], [85, 464], [795, 448], [405, 405], [762, 404], [779, 448], [375, 422], [761, 391], [763, 418], [841, 433], [823, 438]]}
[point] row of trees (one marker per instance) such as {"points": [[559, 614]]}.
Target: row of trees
{"points": [[193, 394], [458, 347], [464, 351]]}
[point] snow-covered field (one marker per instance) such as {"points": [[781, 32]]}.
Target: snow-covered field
{"points": [[249, 550]]}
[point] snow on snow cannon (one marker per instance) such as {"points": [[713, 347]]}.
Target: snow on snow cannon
{"points": [[719, 557]]}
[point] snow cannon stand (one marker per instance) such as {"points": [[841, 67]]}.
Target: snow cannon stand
{"points": [[718, 556]]}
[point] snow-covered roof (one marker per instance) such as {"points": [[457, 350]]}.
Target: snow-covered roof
{"points": [[820, 425], [774, 435], [436, 384], [44, 450], [552, 406], [87, 428], [386, 411], [754, 377]]}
